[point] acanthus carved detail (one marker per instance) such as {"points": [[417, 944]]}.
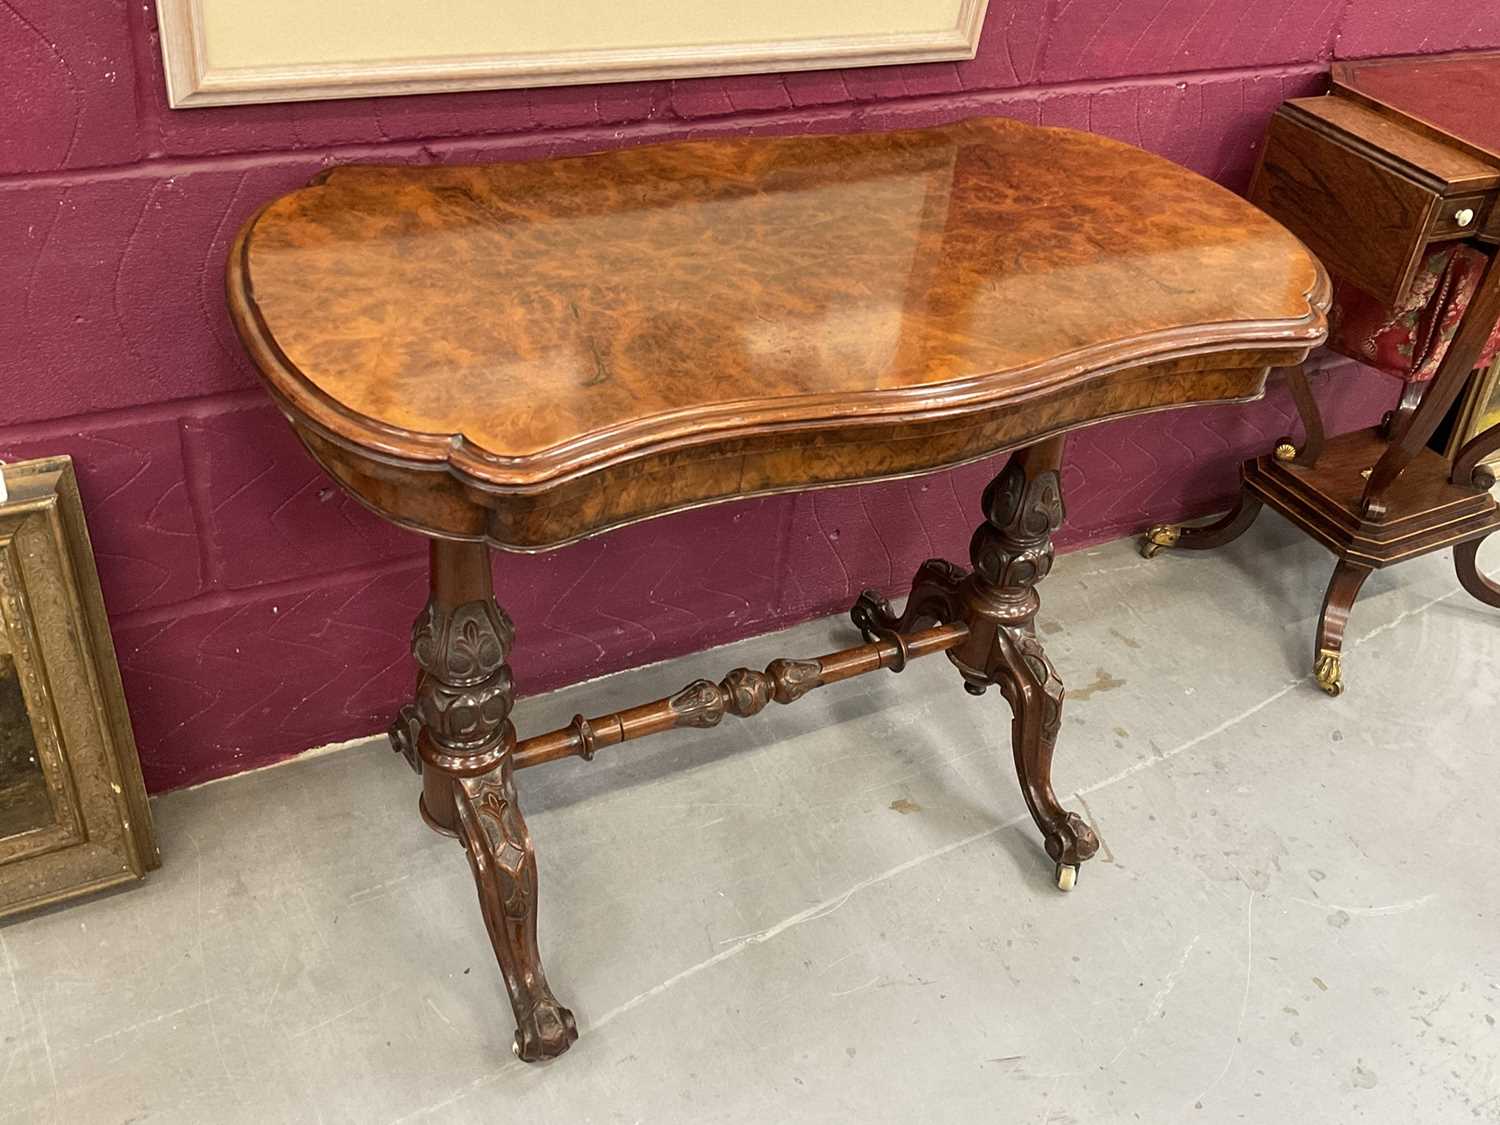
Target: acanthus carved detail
{"points": [[1013, 547], [465, 692], [405, 733], [1046, 677], [747, 692], [934, 599], [792, 679], [744, 692], [700, 704], [500, 852], [492, 800]]}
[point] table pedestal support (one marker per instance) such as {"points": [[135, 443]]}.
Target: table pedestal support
{"points": [[1010, 552], [458, 733]]}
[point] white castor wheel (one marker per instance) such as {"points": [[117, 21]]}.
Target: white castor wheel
{"points": [[515, 1048], [1067, 876]]}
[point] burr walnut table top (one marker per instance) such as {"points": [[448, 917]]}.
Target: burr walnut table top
{"points": [[527, 353]]}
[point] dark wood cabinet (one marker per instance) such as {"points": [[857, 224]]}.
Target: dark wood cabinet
{"points": [[1400, 159]]}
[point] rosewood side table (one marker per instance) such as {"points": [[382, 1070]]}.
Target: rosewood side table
{"points": [[518, 356], [1395, 170]]}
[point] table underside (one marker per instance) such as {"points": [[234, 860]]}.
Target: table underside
{"points": [[440, 500]]}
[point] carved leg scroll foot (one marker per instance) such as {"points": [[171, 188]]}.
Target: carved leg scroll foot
{"points": [[1224, 530], [462, 736], [1343, 588], [1012, 552], [500, 854], [933, 600], [1034, 691]]}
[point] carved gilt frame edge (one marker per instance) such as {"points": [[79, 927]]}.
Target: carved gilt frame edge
{"points": [[46, 557]]}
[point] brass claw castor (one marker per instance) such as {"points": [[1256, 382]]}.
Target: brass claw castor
{"points": [[1162, 535], [1329, 672]]}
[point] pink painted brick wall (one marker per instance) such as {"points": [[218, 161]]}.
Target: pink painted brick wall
{"points": [[258, 612]]}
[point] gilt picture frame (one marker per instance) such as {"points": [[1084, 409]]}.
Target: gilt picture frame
{"points": [[226, 52], [1477, 411], [73, 811]]}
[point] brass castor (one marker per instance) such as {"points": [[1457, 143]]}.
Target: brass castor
{"points": [[1329, 672], [1162, 535]]}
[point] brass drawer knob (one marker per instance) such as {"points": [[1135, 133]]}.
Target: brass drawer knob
{"points": [[1463, 216]]}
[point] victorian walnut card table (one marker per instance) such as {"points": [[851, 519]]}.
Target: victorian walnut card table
{"points": [[517, 356]]}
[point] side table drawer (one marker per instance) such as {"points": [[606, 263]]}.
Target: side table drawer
{"points": [[1364, 214], [1460, 216]]}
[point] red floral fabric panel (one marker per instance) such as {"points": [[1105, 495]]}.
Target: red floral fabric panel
{"points": [[1410, 341]]}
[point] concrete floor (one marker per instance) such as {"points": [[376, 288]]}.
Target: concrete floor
{"points": [[841, 911]]}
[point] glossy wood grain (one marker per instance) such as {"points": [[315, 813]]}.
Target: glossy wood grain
{"points": [[1331, 185], [722, 316], [1438, 162], [437, 500], [1453, 97]]}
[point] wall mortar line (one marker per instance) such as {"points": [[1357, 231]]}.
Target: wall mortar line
{"points": [[636, 131]]}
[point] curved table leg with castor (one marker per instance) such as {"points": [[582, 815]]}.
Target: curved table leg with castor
{"points": [[459, 736], [1223, 530], [1343, 588], [1305, 455], [1011, 552], [997, 602]]}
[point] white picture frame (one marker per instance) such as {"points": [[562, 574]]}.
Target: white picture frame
{"points": [[234, 52]]}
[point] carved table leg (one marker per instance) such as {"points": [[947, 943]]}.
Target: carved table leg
{"points": [[462, 736], [933, 600], [1466, 562], [1343, 588], [1224, 530], [1011, 552]]}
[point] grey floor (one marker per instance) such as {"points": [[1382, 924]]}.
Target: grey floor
{"points": [[841, 912]]}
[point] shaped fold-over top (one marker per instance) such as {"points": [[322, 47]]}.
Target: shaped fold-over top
{"points": [[529, 353], [530, 321]]}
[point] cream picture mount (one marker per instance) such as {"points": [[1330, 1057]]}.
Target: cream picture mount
{"points": [[193, 82]]}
